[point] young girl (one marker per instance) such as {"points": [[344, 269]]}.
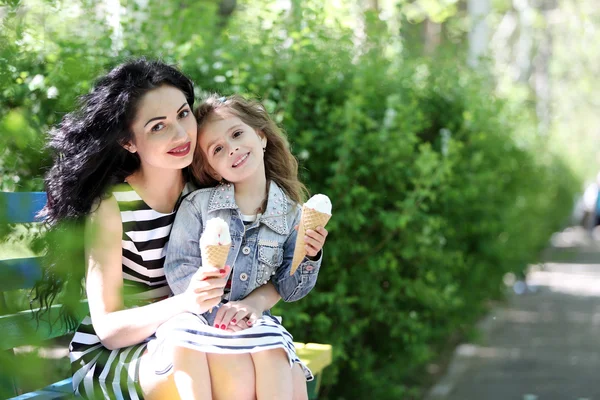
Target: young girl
{"points": [[253, 185]]}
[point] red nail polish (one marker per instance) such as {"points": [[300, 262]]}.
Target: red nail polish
{"points": [[234, 321], [249, 323], [223, 326], [216, 325], [222, 270]]}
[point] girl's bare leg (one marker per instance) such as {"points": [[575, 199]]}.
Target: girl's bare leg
{"points": [[232, 376], [191, 374], [157, 387], [188, 379], [273, 375], [299, 383]]}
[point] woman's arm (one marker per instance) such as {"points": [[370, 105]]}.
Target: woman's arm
{"points": [[115, 326]]}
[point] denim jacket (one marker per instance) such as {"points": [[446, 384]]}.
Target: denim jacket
{"points": [[260, 252]]}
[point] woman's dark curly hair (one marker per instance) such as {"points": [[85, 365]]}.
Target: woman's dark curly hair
{"points": [[88, 159]]}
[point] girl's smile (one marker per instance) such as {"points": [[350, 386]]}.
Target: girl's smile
{"points": [[241, 161]]}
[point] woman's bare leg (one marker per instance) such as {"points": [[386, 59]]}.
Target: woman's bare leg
{"points": [[273, 375], [232, 376], [299, 383]]}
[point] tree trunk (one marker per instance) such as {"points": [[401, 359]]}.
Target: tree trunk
{"points": [[226, 8], [479, 33], [433, 36], [541, 71], [525, 42], [373, 5]]}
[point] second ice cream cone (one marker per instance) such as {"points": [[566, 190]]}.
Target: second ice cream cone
{"points": [[310, 219]]}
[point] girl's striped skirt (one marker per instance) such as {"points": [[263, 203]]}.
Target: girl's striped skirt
{"points": [[193, 331]]}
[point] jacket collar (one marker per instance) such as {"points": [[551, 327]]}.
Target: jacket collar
{"points": [[275, 216], [222, 198]]}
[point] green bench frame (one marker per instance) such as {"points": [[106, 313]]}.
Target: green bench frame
{"points": [[18, 329]]}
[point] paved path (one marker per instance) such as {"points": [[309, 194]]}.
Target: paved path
{"points": [[543, 345]]}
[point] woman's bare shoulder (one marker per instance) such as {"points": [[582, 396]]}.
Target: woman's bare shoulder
{"points": [[105, 216]]}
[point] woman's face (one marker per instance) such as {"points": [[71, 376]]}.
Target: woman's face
{"points": [[233, 149], [164, 130]]}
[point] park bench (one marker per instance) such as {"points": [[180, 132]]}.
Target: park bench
{"points": [[21, 329]]}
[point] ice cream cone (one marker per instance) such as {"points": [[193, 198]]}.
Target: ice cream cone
{"points": [[215, 255], [310, 219]]}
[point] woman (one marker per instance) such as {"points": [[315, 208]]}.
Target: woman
{"points": [[119, 163]]}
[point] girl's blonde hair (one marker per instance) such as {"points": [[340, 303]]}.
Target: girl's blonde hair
{"points": [[281, 166]]}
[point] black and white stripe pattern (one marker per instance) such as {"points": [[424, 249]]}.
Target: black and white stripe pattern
{"points": [[97, 371]]}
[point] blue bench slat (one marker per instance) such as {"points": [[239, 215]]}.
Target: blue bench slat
{"points": [[42, 395], [64, 386], [59, 390], [19, 273], [21, 207]]}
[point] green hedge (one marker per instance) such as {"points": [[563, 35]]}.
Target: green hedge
{"points": [[438, 187]]}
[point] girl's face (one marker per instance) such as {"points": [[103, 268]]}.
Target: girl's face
{"points": [[164, 130], [233, 149]]}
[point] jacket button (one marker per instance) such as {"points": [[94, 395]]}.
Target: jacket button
{"points": [[308, 268], [243, 277], [246, 250]]}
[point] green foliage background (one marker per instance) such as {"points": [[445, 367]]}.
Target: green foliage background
{"points": [[439, 186]]}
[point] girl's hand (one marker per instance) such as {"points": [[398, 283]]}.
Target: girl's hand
{"points": [[237, 315], [205, 289], [315, 240], [240, 326]]}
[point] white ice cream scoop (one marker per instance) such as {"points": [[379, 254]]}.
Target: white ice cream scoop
{"points": [[319, 202], [215, 233]]}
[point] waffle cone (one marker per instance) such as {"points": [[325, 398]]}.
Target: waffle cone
{"points": [[215, 255], [310, 219]]}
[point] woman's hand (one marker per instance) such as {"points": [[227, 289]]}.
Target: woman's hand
{"points": [[237, 315], [315, 240], [205, 289]]}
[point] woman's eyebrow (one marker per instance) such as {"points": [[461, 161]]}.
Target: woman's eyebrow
{"points": [[155, 118]]}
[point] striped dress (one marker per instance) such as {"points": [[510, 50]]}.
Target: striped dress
{"points": [[97, 371], [114, 374]]}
